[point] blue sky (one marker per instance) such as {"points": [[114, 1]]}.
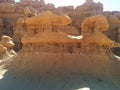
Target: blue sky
{"points": [[109, 5]]}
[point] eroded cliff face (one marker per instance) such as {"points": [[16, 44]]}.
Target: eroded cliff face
{"points": [[50, 48], [48, 51], [53, 55]]}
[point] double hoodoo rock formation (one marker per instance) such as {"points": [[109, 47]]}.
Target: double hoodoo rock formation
{"points": [[55, 43], [11, 12], [57, 53]]}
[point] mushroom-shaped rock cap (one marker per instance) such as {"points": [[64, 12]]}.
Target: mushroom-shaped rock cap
{"points": [[9, 44], [95, 21], [6, 37], [7, 41], [48, 18]]}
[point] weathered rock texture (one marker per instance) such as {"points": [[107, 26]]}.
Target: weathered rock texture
{"points": [[10, 13], [92, 30], [6, 48], [56, 53], [52, 52], [19, 30]]}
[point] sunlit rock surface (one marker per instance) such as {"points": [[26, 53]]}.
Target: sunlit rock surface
{"points": [[54, 56], [92, 30], [11, 12], [6, 48], [58, 53]]}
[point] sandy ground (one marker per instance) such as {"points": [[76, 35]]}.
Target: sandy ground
{"points": [[70, 81]]}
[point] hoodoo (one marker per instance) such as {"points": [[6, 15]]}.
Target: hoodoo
{"points": [[57, 53], [58, 48]]}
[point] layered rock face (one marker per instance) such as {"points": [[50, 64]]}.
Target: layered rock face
{"points": [[19, 19], [50, 51], [56, 53], [10, 13]]}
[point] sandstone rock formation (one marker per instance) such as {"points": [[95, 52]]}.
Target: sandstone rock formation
{"points": [[42, 37], [56, 53], [89, 8], [6, 48], [50, 48], [92, 29], [11, 12], [45, 23], [7, 42]]}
